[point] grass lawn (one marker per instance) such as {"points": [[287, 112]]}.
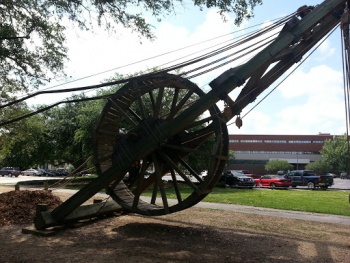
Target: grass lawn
{"points": [[317, 201]]}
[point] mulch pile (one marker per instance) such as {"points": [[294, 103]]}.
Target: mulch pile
{"points": [[18, 207]]}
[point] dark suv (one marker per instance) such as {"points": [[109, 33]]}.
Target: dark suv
{"points": [[10, 171], [237, 179]]}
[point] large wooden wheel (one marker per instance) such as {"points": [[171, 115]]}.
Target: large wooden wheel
{"points": [[171, 172]]}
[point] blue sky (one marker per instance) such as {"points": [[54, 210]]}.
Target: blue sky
{"points": [[308, 102]]}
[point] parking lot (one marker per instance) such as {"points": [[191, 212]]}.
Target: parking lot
{"points": [[339, 184]]}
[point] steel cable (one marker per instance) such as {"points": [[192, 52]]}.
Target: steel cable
{"points": [[171, 68]]}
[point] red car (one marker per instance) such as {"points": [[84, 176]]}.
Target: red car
{"points": [[273, 181]]}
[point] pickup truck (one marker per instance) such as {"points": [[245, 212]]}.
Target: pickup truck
{"points": [[10, 171], [310, 179]]}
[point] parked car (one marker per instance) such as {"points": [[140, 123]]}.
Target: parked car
{"points": [[344, 175], [10, 171], [32, 171], [53, 172], [46, 172], [237, 179], [248, 173], [281, 172], [332, 174], [310, 179], [273, 181], [62, 172]]}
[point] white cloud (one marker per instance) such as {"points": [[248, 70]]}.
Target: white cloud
{"points": [[317, 82], [326, 51], [256, 122], [312, 101]]}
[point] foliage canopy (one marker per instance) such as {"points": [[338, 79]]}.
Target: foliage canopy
{"points": [[273, 166], [336, 153], [319, 167]]}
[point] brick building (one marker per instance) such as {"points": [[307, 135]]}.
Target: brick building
{"points": [[252, 152]]}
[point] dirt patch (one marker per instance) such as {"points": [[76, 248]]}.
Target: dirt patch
{"points": [[18, 207], [193, 235]]}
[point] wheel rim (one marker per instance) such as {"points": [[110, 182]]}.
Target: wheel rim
{"points": [[311, 185], [272, 185], [132, 110]]}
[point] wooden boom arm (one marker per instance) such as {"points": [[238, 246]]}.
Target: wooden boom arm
{"points": [[291, 45]]}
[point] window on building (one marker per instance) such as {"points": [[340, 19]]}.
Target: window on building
{"points": [[275, 152], [298, 141]]}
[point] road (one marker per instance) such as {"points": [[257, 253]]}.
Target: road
{"points": [[342, 184]]}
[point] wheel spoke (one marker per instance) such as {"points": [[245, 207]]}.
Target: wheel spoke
{"points": [[159, 103], [141, 106], [180, 105], [159, 184], [176, 187], [178, 170], [199, 135], [154, 192], [174, 101], [157, 167], [139, 184], [190, 169], [153, 102], [199, 123], [134, 114]]}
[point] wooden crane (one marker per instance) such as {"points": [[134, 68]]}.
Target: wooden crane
{"points": [[165, 121]]}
